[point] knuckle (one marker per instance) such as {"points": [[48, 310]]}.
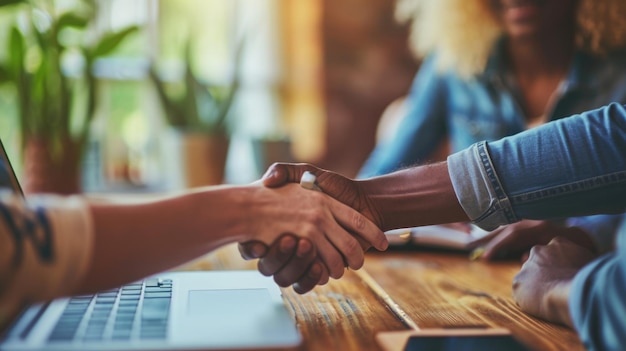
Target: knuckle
{"points": [[309, 230], [358, 220], [558, 240], [314, 218], [535, 252], [352, 246], [354, 253]]}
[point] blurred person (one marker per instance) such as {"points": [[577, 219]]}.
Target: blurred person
{"points": [[53, 246], [494, 68], [570, 167]]}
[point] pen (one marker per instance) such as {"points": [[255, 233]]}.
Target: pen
{"points": [[476, 253]]}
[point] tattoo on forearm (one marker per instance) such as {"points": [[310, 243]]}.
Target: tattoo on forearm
{"points": [[32, 227]]}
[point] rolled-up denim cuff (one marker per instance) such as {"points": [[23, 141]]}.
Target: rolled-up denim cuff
{"points": [[478, 188]]}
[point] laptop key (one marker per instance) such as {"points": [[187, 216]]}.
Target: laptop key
{"points": [[87, 318], [156, 308], [151, 295]]}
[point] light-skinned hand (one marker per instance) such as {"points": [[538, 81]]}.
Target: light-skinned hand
{"points": [[541, 288]]}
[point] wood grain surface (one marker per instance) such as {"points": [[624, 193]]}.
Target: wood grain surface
{"points": [[448, 290], [434, 289]]}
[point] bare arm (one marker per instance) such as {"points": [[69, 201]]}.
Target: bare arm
{"points": [[64, 246], [169, 232], [412, 197]]}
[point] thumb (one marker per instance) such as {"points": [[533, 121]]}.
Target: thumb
{"points": [[275, 176], [281, 173]]}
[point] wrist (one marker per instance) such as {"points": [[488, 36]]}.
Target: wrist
{"points": [[414, 197], [217, 213]]}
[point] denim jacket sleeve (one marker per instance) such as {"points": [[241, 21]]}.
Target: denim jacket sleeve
{"points": [[570, 167], [596, 303], [419, 131]]}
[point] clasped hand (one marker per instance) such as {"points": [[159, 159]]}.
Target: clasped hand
{"points": [[541, 288], [296, 260]]}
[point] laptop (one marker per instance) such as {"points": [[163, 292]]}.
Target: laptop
{"points": [[210, 310]]}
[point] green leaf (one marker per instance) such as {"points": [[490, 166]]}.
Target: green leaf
{"points": [[170, 109], [16, 53], [110, 41], [5, 74], [191, 99], [10, 2], [70, 19]]}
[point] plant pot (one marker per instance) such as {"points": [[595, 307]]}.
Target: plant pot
{"points": [[48, 172], [204, 158]]}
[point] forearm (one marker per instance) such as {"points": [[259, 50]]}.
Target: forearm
{"points": [[135, 240], [415, 197], [45, 245]]}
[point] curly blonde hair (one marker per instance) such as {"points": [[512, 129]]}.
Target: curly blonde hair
{"points": [[463, 32]]}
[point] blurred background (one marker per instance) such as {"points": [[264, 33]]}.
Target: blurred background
{"points": [[138, 93]]}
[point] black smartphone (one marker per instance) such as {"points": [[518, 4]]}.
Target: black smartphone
{"points": [[464, 343]]}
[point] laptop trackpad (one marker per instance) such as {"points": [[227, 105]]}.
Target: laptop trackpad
{"points": [[228, 302], [245, 316]]}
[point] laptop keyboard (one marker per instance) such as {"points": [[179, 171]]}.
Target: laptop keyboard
{"points": [[135, 311]]}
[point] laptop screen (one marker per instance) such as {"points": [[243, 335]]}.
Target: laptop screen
{"points": [[8, 180]]}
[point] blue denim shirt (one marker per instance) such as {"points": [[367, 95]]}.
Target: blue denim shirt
{"points": [[574, 166], [440, 105]]}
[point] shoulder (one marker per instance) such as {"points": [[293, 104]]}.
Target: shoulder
{"points": [[433, 70]]}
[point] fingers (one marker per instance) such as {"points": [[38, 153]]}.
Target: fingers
{"points": [[581, 238], [349, 247], [339, 247], [360, 225], [493, 249], [252, 250], [281, 173], [290, 264], [333, 260], [278, 255], [315, 275], [299, 266]]}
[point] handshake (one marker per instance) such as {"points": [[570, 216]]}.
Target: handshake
{"points": [[320, 250]]}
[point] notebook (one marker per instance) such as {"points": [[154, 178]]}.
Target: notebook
{"points": [[440, 236], [214, 310]]}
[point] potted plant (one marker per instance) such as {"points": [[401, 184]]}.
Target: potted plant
{"points": [[198, 114], [56, 101]]}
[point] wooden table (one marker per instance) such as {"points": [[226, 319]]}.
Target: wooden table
{"points": [[434, 289]]}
